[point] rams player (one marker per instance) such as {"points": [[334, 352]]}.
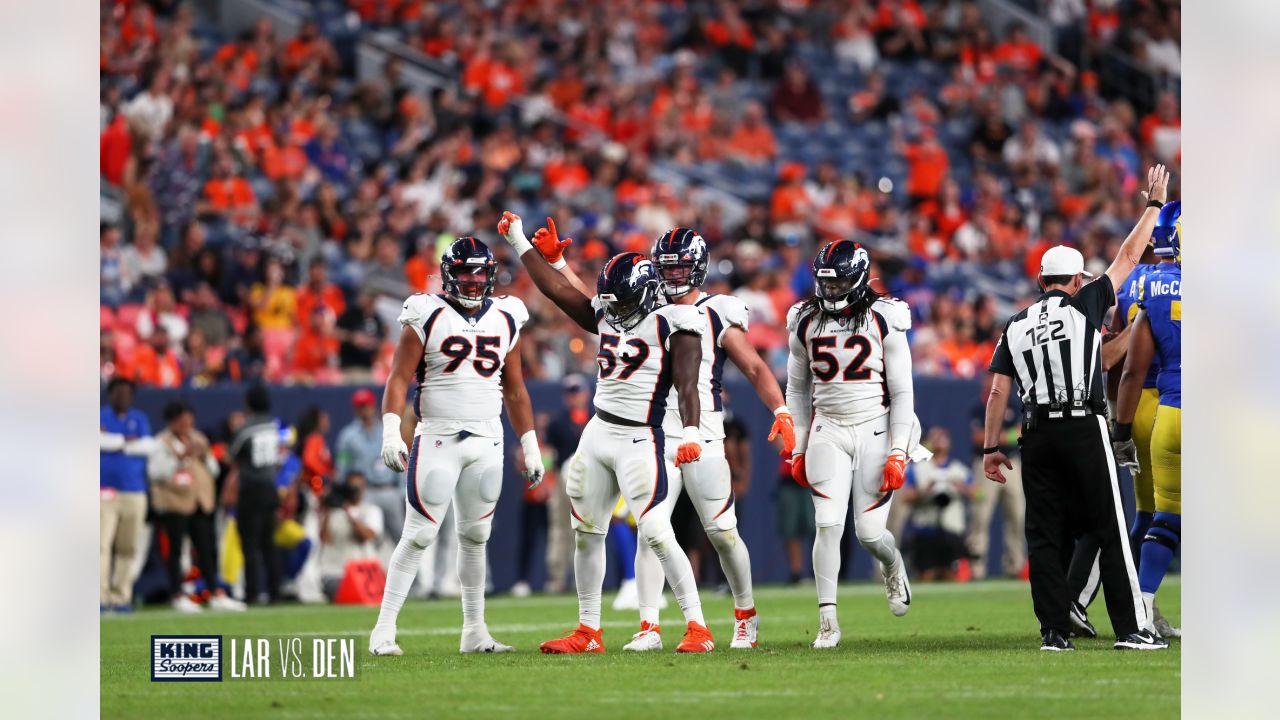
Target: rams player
{"points": [[463, 349], [850, 371], [1157, 334], [681, 257], [644, 352]]}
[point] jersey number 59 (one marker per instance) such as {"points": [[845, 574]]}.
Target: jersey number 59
{"points": [[608, 360]]}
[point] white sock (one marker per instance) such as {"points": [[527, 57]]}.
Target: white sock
{"points": [[649, 582], [400, 574], [1149, 603], [884, 550], [471, 573], [828, 612], [826, 562], [736, 563], [675, 565], [588, 574]]}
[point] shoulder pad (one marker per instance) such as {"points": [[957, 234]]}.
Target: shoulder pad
{"points": [[417, 308], [896, 312], [684, 318], [514, 306], [793, 316]]}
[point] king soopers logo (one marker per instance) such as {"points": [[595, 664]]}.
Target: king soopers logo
{"points": [[186, 658]]}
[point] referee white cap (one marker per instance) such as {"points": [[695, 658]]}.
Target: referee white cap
{"points": [[1063, 260]]}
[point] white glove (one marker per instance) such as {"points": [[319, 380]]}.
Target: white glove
{"points": [[533, 469], [512, 229], [395, 455]]}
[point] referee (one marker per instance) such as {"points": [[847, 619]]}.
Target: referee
{"points": [[1068, 472]]}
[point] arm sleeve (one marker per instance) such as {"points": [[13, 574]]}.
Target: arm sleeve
{"points": [[1094, 299], [799, 382], [897, 368], [414, 314]]}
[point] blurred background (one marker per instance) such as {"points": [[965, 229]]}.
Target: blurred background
{"points": [[277, 175]]}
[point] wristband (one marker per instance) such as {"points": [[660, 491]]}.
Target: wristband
{"points": [[559, 264], [991, 450], [691, 434], [1153, 203], [529, 443], [1123, 432], [390, 425], [781, 410]]}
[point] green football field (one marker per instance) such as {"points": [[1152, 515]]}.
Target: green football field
{"points": [[968, 650]]}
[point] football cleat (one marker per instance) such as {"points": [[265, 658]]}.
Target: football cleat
{"points": [[647, 640], [1081, 627], [478, 640], [897, 588], [383, 642], [184, 604], [828, 635], [1141, 640], [697, 639], [1053, 641], [1163, 626], [582, 640], [226, 602], [746, 624]]}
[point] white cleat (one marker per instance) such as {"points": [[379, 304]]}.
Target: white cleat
{"points": [[897, 588], [628, 597], [1163, 627], [184, 604], [828, 636], [478, 640], [383, 642], [648, 639], [227, 603], [745, 631]]}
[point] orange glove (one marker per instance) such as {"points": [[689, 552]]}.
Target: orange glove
{"points": [[798, 473], [550, 244], [784, 425], [895, 471], [687, 453]]}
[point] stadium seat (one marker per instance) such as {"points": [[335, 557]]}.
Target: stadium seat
{"points": [[127, 316]]}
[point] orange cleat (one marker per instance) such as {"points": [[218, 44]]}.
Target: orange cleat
{"points": [[697, 639], [582, 640]]}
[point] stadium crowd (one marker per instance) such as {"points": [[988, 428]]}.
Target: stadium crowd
{"points": [[273, 211]]}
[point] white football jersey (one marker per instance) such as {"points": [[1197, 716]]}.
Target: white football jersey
{"points": [[720, 312], [459, 376], [634, 381], [847, 361]]}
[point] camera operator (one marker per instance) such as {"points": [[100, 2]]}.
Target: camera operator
{"points": [[349, 530], [941, 488]]}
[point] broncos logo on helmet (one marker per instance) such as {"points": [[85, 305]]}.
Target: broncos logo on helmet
{"points": [[627, 289], [467, 272], [1166, 238], [681, 256], [841, 272]]}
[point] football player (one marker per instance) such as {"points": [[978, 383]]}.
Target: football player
{"points": [[681, 257], [463, 350], [644, 351], [849, 388], [1157, 336]]}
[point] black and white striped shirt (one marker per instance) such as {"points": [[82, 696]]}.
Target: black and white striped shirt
{"points": [[1053, 347]]}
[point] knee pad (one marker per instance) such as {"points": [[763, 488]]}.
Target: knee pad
{"points": [[476, 532], [437, 486], [491, 483], [575, 475], [657, 535], [869, 536], [1166, 529], [722, 540], [420, 531]]}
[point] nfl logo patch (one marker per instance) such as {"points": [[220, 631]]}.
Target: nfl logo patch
{"points": [[439, 444], [186, 658]]}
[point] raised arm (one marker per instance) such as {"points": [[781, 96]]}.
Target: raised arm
{"points": [[740, 351], [395, 452], [1131, 251], [554, 285], [686, 359], [520, 411]]}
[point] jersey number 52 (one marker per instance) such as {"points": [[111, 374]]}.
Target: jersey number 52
{"points": [[825, 365]]}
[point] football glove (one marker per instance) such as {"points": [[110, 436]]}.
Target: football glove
{"points": [[691, 447], [797, 471], [895, 470], [784, 425], [395, 455], [550, 244], [511, 227], [533, 468], [1126, 455]]}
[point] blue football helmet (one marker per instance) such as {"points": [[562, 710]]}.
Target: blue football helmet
{"points": [[1166, 239], [681, 257], [841, 273], [467, 272], [627, 289]]}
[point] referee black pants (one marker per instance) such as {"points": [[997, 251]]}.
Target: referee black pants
{"points": [[1069, 476]]}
